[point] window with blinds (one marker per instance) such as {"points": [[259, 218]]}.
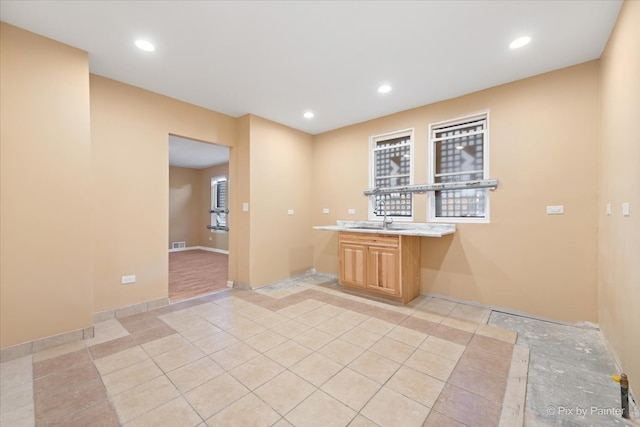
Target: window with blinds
{"points": [[391, 165], [219, 201], [459, 151]]}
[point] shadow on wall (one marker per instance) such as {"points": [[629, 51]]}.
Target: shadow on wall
{"points": [[330, 249], [299, 258], [446, 261]]}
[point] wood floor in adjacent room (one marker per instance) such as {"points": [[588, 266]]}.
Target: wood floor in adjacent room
{"points": [[196, 272]]}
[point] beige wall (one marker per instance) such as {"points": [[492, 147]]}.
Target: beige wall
{"points": [[129, 134], [207, 238], [619, 251], [543, 147], [281, 164], [239, 184], [45, 264], [185, 203]]}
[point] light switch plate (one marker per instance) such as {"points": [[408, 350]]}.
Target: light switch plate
{"points": [[245, 207], [626, 209], [128, 279], [555, 210], [290, 212], [608, 208]]}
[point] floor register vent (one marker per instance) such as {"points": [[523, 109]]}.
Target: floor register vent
{"points": [[178, 245]]}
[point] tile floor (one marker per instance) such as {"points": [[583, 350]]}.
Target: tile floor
{"points": [[299, 353]]}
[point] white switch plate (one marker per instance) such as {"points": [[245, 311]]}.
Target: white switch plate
{"points": [[351, 212], [290, 212], [325, 210], [128, 279], [245, 207], [555, 210], [625, 209], [608, 208]]}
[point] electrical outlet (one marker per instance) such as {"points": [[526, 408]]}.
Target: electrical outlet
{"points": [[290, 212], [351, 212], [325, 210], [128, 279], [555, 210]]}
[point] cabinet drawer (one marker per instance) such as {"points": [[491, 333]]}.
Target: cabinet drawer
{"points": [[370, 239]]}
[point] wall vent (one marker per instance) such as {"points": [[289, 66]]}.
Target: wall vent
{"points": [[178, 245]]}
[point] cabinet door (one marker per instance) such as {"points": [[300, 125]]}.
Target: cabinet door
{"points": [[383, 270], [352, 264]]}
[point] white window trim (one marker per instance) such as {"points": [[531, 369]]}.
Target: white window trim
{"points": [[373, 139], [431, 197], [213, 198]]}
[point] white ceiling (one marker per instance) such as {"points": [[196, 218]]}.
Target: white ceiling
{"points": [[187, 153], [277, 59]]}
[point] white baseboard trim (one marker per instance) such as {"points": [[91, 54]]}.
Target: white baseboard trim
{"points": [[189, 248], [202, 248], [205, 248]]}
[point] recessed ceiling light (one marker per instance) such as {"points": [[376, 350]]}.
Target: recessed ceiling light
{"points": [[519, 42], [308, 115], [145, 45], [384, 89]]}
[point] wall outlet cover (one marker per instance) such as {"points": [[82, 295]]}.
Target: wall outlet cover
{"points": [[325, 210], [351, 212], [128, 279], [626, 211], [555, 210]]}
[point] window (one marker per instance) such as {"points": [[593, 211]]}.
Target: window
{"points": [[391, 165], [219, 202], [459, 151]]}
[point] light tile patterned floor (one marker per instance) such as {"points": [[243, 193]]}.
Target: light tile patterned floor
{"points": [[298, 353]]}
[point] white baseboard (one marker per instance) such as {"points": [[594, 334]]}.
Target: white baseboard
{"points": [[189, 248], [202, 248], [205, 248]]}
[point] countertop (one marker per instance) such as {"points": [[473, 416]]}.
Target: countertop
{"points": [[395, 229]]}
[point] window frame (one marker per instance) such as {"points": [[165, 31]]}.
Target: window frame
{"points": [[373, 141], [214, 202], [431, 197]]}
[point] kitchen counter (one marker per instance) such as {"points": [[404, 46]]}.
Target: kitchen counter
{"points": [[395, 229]]}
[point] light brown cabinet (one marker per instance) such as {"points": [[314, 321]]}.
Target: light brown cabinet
{"points": [[380, 263]]}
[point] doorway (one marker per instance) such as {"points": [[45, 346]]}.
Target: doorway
{"points": [[198, 227]]}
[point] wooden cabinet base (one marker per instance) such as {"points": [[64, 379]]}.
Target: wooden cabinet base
{"points": [[382, 264]]}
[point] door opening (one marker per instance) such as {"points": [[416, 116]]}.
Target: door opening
{"points": [[198, 218]]}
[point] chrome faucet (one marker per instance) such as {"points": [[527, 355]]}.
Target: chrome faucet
{"points": [[386, 221]]}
